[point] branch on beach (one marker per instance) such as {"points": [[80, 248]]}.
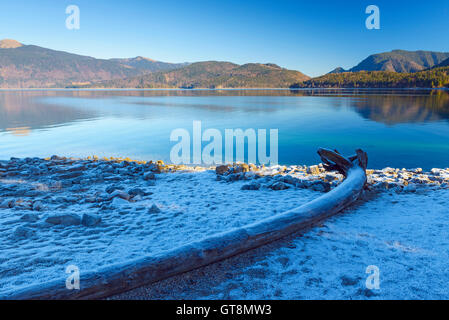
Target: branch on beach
{"points": [[119, 278], [334, 161]]}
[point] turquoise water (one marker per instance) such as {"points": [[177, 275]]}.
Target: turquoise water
{"points": [[402, 128]]}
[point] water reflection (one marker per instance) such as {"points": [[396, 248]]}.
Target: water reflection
{"points": [[40, 109], [410, 126], [21, 109]]}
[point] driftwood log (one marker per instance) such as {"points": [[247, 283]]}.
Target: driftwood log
{"points": [[132, 274]]}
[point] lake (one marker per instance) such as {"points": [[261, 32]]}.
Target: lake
{"points": [[397, 128]]}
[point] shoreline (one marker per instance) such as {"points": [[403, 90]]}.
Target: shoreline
{"points": [[215, 89], [81, 198]]}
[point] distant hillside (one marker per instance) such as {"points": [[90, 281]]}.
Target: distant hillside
{"points": [[9, 44], [213, 74], [29, 66], [338, 70], [445, 63], [143, 63], [401, 61], [433, 78]]}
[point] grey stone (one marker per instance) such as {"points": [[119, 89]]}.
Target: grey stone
{"points": [[154, 209], [30, 217], [118, 202], [112, 188], [22, 232], [121, 194], [66, 219], [251, 186], [90, 219], [348, 281], [37, 206], [149, 176], [136, 192], [8, 203], [279, 186], [315, 170]]}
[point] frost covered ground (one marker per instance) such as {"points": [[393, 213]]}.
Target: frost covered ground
{"points": [[405, 235], [59, 212], [93, 214]]}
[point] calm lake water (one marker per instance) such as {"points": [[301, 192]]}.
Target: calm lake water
{"points": [[397, 128]]}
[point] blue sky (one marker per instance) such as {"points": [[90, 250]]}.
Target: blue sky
{"points": [[311, 36]]}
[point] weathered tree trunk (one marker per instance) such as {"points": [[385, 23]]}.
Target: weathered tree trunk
{"points": [[123, 277]]}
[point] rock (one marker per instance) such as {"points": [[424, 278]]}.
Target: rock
{"points": [[154, 209], [320, 186], [367, 292], [410, 188], [121, 194], [221, 170], [251, 186], [90, 219], [348, 281], [279, 186], [78, 167], [155, 167], [242, 167], [8, 203], [70, 175], [137, 198], [388, 170], [119, 202], [233, 177], [435, 171], [315, 170], [136, 192], [249, 175], [37, 206], [112, 188], [30, 217], [149, 176], [22, 232], [66, 219], [290, 180]]}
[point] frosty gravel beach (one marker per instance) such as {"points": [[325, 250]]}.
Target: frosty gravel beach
{"points": [[97, 212]]}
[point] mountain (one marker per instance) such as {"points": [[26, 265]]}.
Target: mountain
{"points": [[9, 44], [445, 63], [148, 64], [338, 70], [213, 74], [431, 78], [401, 61], [30, 66]]}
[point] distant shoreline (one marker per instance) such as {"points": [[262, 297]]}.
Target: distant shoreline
{"points": [[213, 89]]}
